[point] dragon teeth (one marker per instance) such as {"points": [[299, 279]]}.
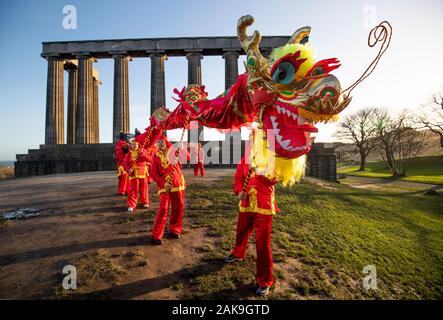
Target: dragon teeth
{"points": [[286, 112], [285, 143]]}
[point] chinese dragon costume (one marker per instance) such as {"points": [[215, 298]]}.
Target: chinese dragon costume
{"points": [[285, 94]]}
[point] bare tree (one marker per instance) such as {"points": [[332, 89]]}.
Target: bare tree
{"points": [[359, 128], [397, 140], [431, 116]]}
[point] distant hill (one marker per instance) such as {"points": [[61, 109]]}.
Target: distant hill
{"points": [[6, 163]]}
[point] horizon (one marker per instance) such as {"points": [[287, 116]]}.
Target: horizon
{"points": [[406, 77]]}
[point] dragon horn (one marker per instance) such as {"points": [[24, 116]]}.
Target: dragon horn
{"points": [[299, 34], [249, 44]]}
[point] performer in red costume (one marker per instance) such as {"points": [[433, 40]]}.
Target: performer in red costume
{"points": [[200, 159], [166, 171], [136, 165], [120, 151], [256, 210]]}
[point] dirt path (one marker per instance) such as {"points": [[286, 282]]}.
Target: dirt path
{"points": [[389, 184], [85, 224]]}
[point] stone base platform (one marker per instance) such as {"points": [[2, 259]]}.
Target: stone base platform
{"points": [[70, 158], [65, 158]]}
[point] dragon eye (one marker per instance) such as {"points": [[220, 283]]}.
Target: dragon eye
{"points": [[284, 73]]}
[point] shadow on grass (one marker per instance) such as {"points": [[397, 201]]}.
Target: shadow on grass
{"points": [[141, 287]]}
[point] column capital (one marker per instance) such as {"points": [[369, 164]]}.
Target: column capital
{"points": [[84, 56], [194, 53], [52, 57], [157, 54], [230, 53], [120, 54]]}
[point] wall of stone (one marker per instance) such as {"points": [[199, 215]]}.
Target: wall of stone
{"points": [[65, 158], [322, 163]]}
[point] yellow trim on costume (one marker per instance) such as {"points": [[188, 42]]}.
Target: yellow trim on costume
{"points": [[163, 158], [172, 190], [137, 175], [120, 170], [317, 116], [253, 207], [257, 210], [134, 154], [236, 111]]}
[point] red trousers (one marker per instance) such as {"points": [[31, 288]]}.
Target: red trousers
{"points": [[262, 225], [122, 183], [201, 167], [177, 202], [134, 186]]}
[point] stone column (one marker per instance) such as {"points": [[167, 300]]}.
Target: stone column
{"points": [[85, 99], [121, 95], [54, 131], [231, 74], [195, 77], [157, 80], [72, 103], [194, 67], [95, 122], [231, 68]]}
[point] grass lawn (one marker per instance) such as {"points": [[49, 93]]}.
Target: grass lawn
{"points": [[322, 239], [421, 169]]}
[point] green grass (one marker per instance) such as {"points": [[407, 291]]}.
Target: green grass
{"points": [[421, 169], [322, 239], [92, 267]]}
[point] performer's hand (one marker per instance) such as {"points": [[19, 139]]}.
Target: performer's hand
{"points": [[168, 187], [130, 171], [242, 195]]}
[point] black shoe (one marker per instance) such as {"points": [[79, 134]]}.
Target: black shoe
{"points": [[174, 235], [262, 291], [156, 242], [231, 258]]}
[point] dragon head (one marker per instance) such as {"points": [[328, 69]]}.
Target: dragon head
{"points": [[290, 90]]}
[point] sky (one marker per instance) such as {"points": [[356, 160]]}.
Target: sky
{"points": [[408, 74]]}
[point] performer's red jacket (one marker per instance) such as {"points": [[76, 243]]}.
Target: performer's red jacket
{"points": [[260, 190], [163, 171], [119, 154], [139, 162]]}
